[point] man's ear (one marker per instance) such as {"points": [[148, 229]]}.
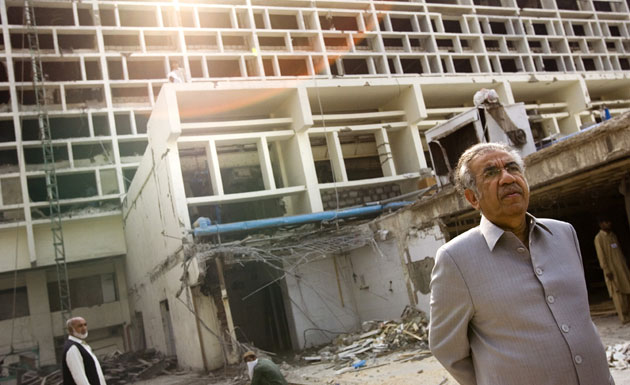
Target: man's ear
{"points": [[472, 198]]}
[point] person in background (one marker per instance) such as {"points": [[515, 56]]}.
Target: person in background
{"points": [[263, 371], [616, 272]]}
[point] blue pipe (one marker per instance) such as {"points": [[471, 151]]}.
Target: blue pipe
{"points": [[206, 228]]}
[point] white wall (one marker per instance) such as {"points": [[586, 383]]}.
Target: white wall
{"points": [[84, 239], [315, 303], [374, 272], [364, 277]]}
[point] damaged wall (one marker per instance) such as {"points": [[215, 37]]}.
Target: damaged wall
{"points": [[366, 285], [321, 304], [154, 213], [376, 281], [422, 246]]}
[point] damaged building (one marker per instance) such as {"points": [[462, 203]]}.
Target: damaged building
{"points": [[288, 109], [229, 164]]}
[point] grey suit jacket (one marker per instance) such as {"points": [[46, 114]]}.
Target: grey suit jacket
{"points": [[505, 315]]}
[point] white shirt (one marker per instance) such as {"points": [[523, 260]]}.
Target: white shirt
{"points": [[176, 76], [75, 363]]}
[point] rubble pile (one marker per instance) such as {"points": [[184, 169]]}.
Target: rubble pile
{"points": [[377, 338], [118, 368], [618, 355]]}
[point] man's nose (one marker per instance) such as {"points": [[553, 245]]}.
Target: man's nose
{"points": [[505, 177]]}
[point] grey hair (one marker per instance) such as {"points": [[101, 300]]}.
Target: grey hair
{"points": [[465, 179], [69, 323]]}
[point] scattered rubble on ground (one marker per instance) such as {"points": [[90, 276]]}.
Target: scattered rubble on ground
{"points": [[618, 355], [359, 351], [118, 368]]}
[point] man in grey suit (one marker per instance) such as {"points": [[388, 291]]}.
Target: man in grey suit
{"points": [[508, 298]]}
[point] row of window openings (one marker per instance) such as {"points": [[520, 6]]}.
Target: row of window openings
{"points": [[364, 163], [70, 70], [135, 18], [85, 292], [66, 127], [144, 70], [71, 186]]}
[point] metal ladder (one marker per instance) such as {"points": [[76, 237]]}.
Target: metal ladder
{"points": [[52, 190]]}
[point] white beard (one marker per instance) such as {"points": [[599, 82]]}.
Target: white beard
{"points": [[81, 336], [250, 368]]}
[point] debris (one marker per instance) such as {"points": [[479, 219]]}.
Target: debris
{"points": [[618, 355], [351, 352], [118, 368]]}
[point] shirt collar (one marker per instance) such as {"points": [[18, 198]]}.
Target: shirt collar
{"points": [[492, 233], [75, 339]]}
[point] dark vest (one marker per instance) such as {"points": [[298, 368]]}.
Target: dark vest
{"points": [[88, 363]]}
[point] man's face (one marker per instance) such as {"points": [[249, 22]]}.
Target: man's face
{"points": [[503, 193], [605, 225], [250, 358], [80, 328]]}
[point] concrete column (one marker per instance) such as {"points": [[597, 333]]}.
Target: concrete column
{"points": [[265, 163], [41, 320], [214, 168], [301, 171], [123, 298], [385, 152], [336, 156]]}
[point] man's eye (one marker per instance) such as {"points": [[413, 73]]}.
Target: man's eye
{"points": [[513, 168], [491, 172]]}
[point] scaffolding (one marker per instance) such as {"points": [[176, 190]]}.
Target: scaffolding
{"points": [[52, 189]]}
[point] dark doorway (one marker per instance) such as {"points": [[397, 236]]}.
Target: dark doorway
{"points": [[257, 305], [581, 208], [167, 325]]}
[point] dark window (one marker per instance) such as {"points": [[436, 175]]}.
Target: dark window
{"points": [[528, 3], [508, 65], [578, 30], [411, 66], [10, 297], [498, 28], [602, 6], [550, 65], [491, 3], [86, 291], [589, 64], [614, 30], [625, 64], [462, 65], [540, 29], [401, 25], [568, 4], [492, 45], [355, 66], [452, 26]]}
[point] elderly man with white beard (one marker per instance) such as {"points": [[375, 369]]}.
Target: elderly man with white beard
{"points": [[80, 365]]}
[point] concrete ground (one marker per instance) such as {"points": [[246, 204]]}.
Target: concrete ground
{"points": [[385, 370]]}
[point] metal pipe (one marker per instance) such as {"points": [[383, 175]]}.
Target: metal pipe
{"points": [[206, 228]]}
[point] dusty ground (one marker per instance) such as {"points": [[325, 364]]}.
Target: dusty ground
{"points": [[392, 372]]}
